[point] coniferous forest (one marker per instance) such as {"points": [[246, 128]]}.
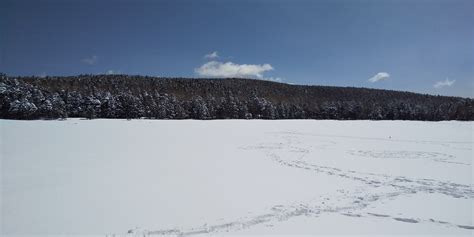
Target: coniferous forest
{"points": [[125, 96]]}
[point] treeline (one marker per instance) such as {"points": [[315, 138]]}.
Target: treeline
{"points": [[125, 96]]}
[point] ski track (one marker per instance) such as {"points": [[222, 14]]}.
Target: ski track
{"points": [[353, 204]]}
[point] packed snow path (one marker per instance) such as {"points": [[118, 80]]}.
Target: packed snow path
{"points": [[237, 177]]}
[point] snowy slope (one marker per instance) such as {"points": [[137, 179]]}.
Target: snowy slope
{"points": [[239, 177]]}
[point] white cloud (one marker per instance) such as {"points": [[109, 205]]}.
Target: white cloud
{"points": [[111, 72], [379, 77], [444, 83], [230, 69], [90, 60], [212, 55], [275, 79]]}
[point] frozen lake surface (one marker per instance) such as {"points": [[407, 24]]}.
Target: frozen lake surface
{"points": [[239, 177]]}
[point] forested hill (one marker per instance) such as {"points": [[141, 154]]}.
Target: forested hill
{"points": [[123, 96]]}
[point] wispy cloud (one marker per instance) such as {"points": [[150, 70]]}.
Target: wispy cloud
{"points": [[212, 55], [379, 77], [111, 72], [90, 60], [275, 79], [230, 69], [444, 83]]}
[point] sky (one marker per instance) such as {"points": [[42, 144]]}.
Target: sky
{"points": [[419, 45]]}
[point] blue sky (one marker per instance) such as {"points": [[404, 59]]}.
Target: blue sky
{"points": [[420, 46]]}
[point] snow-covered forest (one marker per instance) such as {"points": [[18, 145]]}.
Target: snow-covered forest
{"points": [[124, 96]]}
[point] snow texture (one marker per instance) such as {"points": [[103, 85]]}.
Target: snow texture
{"points": [[238, 177]]}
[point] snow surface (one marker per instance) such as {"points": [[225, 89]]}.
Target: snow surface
{"points": [[239, 177]]}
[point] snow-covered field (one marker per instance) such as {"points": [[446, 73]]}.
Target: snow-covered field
{"points": [[97, 177]]}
